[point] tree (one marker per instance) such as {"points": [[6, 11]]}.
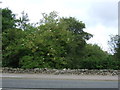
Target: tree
{"points": [[52, 45], [55, 43], [12, 48], [115, 45], [23, 21], [95, 57], [76, 27], [117, 48], [76, 51], [8, 19], [49, 44]]}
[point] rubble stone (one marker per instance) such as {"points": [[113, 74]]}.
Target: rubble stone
{"points": [[62, 71]]}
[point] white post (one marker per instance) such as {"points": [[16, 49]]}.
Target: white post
{"points": [[119, 18]]}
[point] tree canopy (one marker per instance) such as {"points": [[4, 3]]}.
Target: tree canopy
{"points": [[57, 42], [8, 19]]}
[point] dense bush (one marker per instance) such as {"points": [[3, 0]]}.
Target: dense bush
{"points": [[55, 43]]}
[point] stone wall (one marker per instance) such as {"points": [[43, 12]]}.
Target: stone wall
{"points": [[63, 71]]}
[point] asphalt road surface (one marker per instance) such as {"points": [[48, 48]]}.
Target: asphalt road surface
{"points": [[54, 81]]}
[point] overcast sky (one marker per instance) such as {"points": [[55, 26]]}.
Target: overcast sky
{"points": [[99, 16]]}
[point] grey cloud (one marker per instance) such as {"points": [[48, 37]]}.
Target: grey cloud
{"points": [[105, 13]]}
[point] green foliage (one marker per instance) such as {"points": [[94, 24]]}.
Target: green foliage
{"points": [[11, 47], [76, 27], [22, 22], [115, 47], [96, 58], [55, 43], [93, 55], [8, 19]]}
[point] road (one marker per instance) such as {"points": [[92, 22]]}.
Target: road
{"points": [[57, 81], [44, 83]]}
